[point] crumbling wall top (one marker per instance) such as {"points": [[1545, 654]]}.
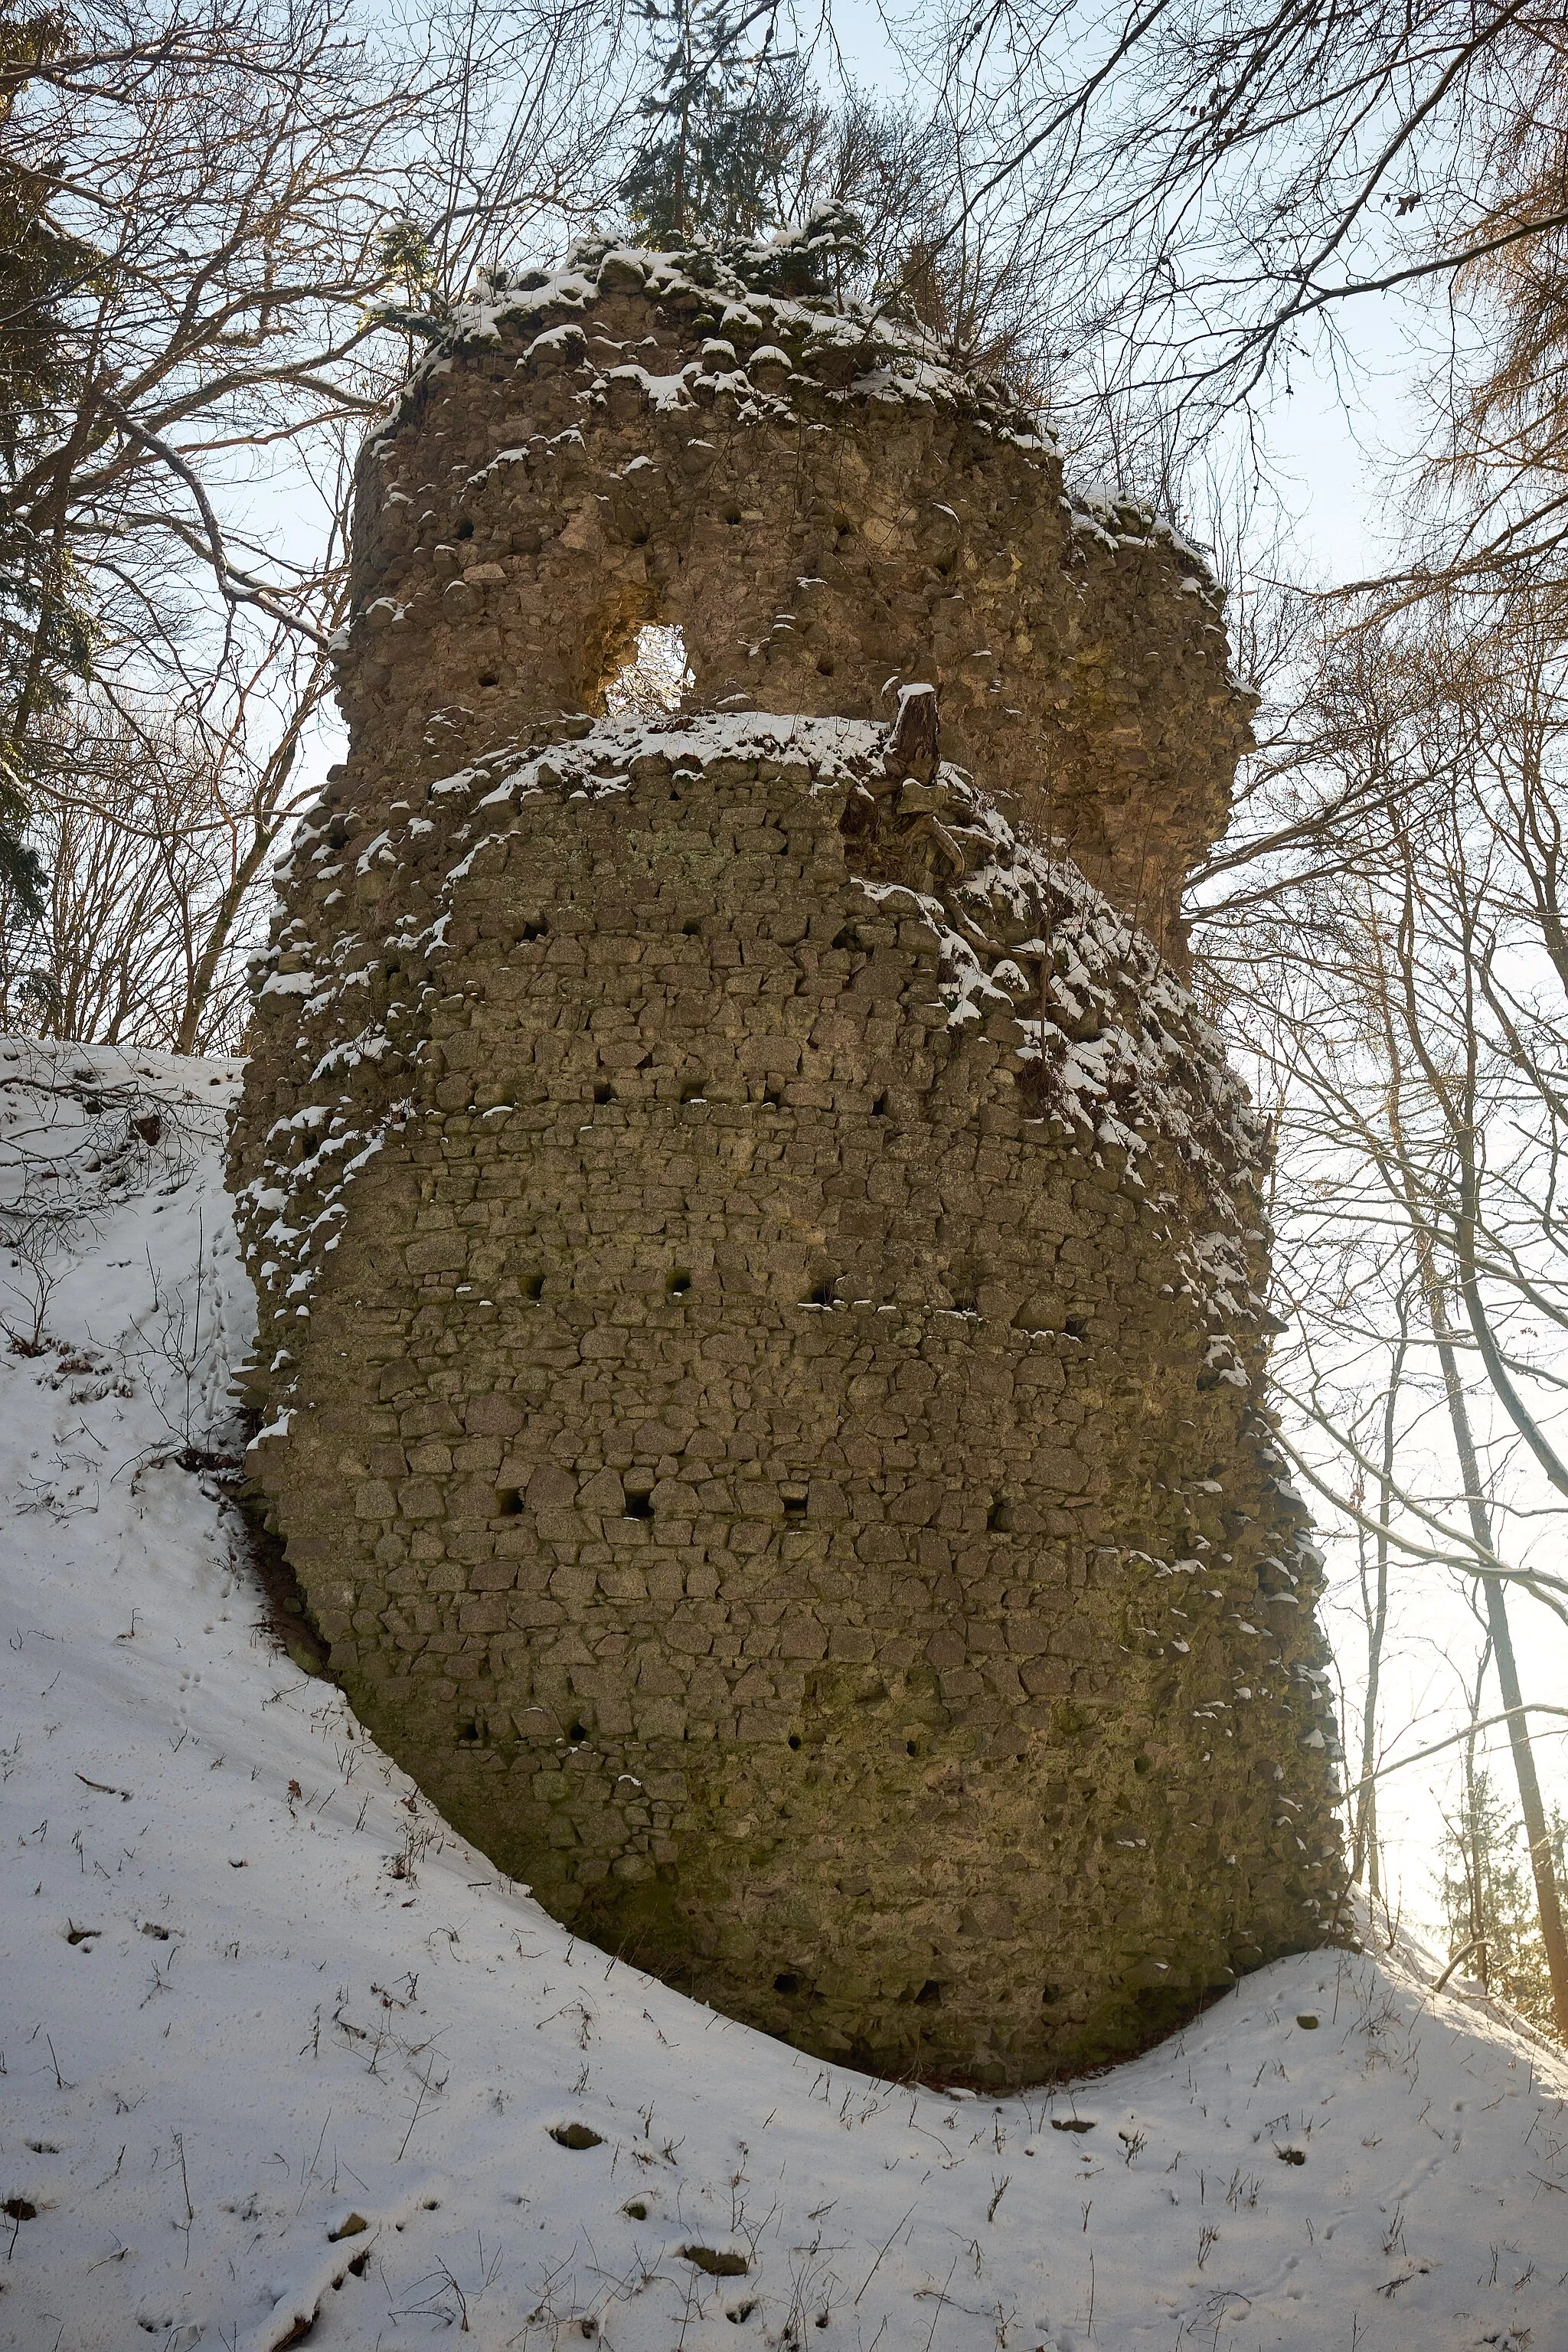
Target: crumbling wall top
{"points": [[825, 507]]}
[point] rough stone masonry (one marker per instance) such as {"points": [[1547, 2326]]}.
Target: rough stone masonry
{"points": [[758, 1252]]}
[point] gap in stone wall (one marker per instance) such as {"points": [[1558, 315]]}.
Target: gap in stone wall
{"points": [[656, 681]]}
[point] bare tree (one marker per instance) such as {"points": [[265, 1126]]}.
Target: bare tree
{"points": [[158, 856], [1413, 1005], [263, 191], [1373, 1566]]}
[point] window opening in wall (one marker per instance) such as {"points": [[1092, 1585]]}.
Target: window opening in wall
{"points": [[656, 681]]}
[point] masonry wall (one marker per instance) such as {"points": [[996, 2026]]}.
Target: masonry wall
{"points": [[759, 1264], [827, 513]]}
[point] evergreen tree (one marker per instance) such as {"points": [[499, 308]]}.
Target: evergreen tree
{"points": [[45, 642], [1488, 1894], [724, 119]]}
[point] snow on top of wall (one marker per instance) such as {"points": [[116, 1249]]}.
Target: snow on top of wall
{"points": [[875, 335], [1118, 1053], [763, 343], [1124, 1055], [283, 2053]]}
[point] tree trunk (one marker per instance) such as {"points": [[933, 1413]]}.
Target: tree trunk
{"points": [[223, 921], [1376, 1608], [1472, 1844], [269, 816], [1530, 1802]]}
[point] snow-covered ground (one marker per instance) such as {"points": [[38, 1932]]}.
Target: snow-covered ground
{"points": [[282, 2057]]}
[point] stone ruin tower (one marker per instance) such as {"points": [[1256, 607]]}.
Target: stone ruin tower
{"points": [[759, 1252]]}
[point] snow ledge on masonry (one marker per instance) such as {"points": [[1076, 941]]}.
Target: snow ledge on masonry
{"points": [[891, 355]]}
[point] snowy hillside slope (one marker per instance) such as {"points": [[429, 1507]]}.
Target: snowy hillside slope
{"points": [[283, 2060]]}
